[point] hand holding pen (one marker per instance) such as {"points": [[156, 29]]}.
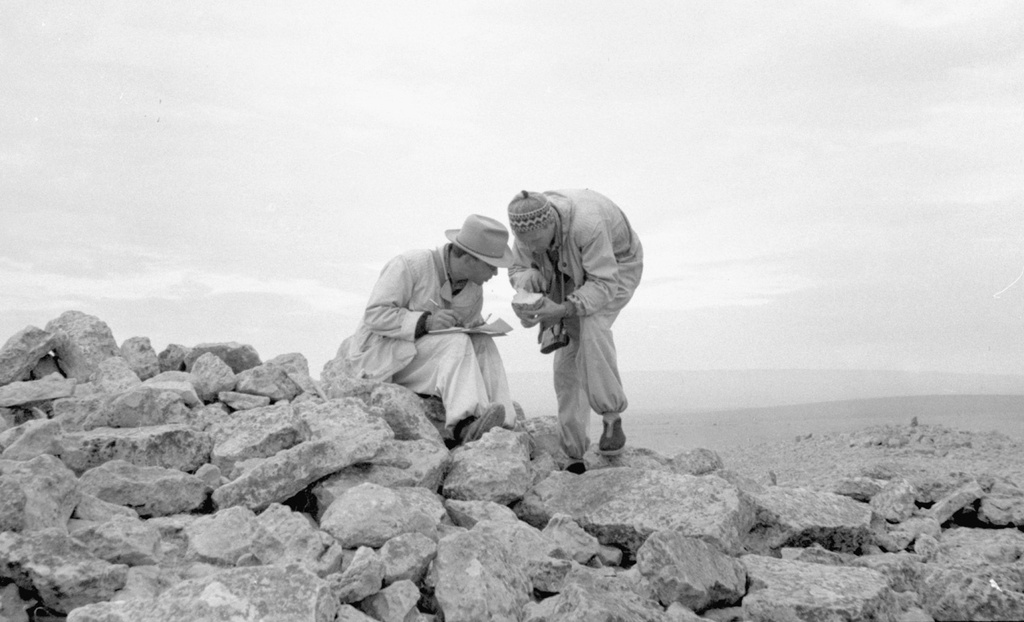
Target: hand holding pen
{"points": [[441, 318]]}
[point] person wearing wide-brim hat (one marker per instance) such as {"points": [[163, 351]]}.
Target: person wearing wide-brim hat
{"points": [[578, 248], [423, 291]]}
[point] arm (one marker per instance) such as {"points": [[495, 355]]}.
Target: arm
{"points": [[601, 284], [388, 311], [523, 273]]}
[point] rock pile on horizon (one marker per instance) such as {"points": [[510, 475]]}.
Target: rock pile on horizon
{"points": [[202, 483]]}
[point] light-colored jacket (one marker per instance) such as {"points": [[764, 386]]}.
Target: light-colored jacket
{"points": [[409, 285], [597, 248]]}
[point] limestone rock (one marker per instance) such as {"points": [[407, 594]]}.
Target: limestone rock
{"points": [[569, 540], [59, 569], [114, 376], [799, 517], [260, 593], [956, 500], [406, 557], [403, 410], [122, 540], [971, 591], [141, 357], [779, 591], [179, 383], [239, 357], [172, 358], [297, 368], [149, 490], [269, 381], [176, 446], [288, 537], [22, 392], [691, 572], [212, 376], [624, 506], [30, 439], [697, 462], [283, 475], [494, 468], [242, 401], [145, 405], [363, 577], [475, 578], [36, 494], [468, 513], [859, 488], [632, 457], [588, 595], [222, 538], [82, 342], [903, 571], [896, 501], [22, 351], [258, 433], [12, 607], [75, 412], [96, 510], [394, 603], [370, 515], [398, 463]]}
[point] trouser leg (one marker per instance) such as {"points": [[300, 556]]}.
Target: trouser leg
{"points": [[492, 370], [447, 366], [598, 366], [573, 411]]}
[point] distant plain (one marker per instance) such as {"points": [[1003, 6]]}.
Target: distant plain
{"points": [[672, 411]]}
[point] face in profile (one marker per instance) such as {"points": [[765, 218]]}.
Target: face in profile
{"points": [[538, 240]]}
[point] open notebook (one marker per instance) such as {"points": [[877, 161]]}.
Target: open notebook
{"points": [[496, 328]]}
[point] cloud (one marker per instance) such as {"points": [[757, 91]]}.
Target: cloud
{"points": [[28, 288]]}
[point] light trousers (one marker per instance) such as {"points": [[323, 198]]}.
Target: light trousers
{"points": [[465, 371]]}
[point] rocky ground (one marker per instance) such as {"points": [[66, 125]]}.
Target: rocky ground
{"points": [[202, 483]]}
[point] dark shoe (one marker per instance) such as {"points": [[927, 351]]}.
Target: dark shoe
{"points": [[494, 416], [577, 467], [613, 440]]}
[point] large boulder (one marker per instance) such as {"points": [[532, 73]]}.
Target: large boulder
{"points": [[58, 568], [288, 472], [404, 412], [141, 357], [370, 515], [798, 517], [258, 593], [20, 354], [494, 468], [269, 381], [476, 578], [145, 405], [149, 490], [256, 433], [211, 376], [223, 537], [114, 376], [399, 463], [623, 506], [22, 392], [690, 571], [288, 537], [35, 494], [82, 342], [588, 595], [176, 446], [782, 589], [122, 540], [239, 357]]}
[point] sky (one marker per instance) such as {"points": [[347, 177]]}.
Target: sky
{"points": [[817, 185]]}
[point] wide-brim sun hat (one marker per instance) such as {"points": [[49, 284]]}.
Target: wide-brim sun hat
{"points": [[484, 238]]}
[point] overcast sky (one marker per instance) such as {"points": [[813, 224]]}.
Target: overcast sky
{"points": [[825, 185]]}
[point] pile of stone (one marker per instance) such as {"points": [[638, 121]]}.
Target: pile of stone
{"points": [[202, 483]]}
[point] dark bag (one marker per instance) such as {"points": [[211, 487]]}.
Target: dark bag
{"points": [[554, 336]]}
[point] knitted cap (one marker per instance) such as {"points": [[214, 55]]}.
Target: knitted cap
{"points": [[529, 211]]}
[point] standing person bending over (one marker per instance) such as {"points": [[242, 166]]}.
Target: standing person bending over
{"points": [[423, 291], [578, 248]]}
